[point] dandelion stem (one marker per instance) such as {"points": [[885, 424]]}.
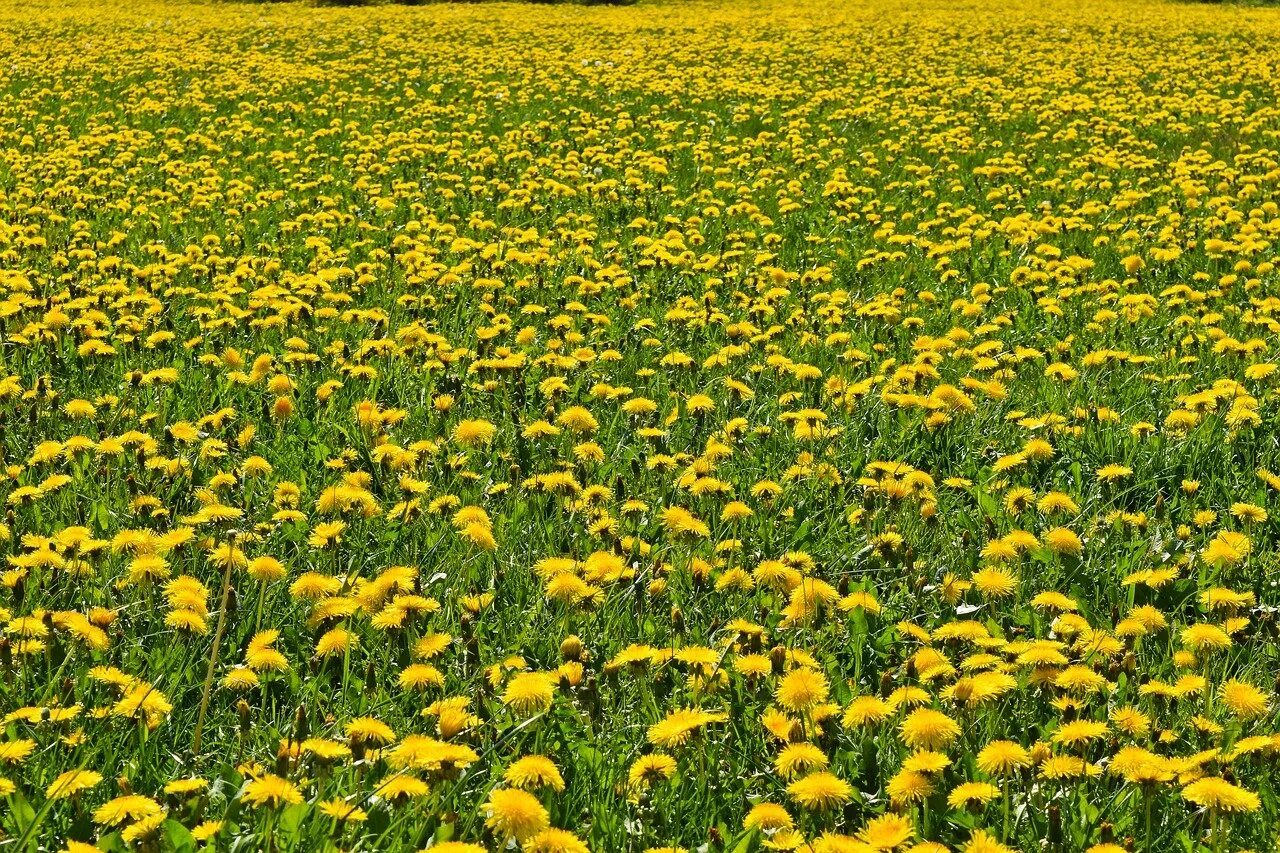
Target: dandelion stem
{"points": [[213, 657], [262, 597], [1146, 821]]}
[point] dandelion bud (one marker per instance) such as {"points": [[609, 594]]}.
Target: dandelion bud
{"points": [[699, 576], [677, 620], [571, 648], [778, 659], [301, 729], [246, 722]]}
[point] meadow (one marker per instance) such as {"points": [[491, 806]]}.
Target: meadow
{"points": [[699, 426]]}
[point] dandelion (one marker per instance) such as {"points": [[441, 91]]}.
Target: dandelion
{"points": [[866, 711], [820, 791], [343, 812], [1203, 638], [553, 840], [1062, 541], [131, 807], [982, 841], [925, 728], [909, 786], [71, 783], [799, 758], [271, 791], [474, 433], [651, 769], [16, 751], [143, 830], [801, 689], [681, 724], [534, 771], [887, 832], [767, 817], [513, 813], [529, 693], [1219, 795], [994, 582], [972, 795], [1228, 549], [401, 787], [1243, 699], [1002, 758], [1113, 472]]}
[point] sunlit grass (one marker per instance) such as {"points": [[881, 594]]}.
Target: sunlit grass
{"points": [[704, 426]]}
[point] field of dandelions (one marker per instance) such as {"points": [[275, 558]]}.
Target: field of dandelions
{"points": [[704, 426]]}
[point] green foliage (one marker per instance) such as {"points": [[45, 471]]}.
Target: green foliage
{"points": [[757, 411]]}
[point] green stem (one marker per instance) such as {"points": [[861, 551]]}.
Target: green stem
{"points": [[1146, 821], [213, 659], [262, 597]]}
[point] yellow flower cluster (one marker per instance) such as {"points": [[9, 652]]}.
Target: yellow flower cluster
{"points": [[692, 426]]}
